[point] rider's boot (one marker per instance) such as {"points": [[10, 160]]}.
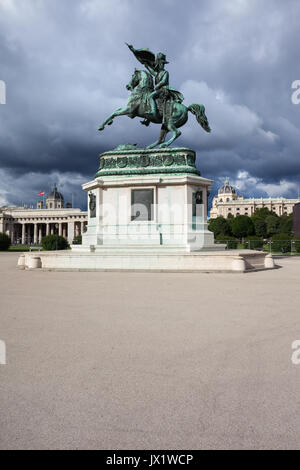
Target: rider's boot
{"points": [[146, 122]]}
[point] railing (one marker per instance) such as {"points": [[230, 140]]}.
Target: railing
{"points": [[286, 247], [35, 248]]}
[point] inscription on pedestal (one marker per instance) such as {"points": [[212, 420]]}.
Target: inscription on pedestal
{"points": [[142, 204]]}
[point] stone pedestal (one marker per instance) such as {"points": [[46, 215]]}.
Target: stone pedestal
{"points": [[150, 198]]}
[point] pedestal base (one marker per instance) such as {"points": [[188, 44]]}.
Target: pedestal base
{"points": [[146, 260]]}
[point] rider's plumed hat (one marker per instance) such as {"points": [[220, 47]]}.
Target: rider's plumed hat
{"points": [[162, 57]]}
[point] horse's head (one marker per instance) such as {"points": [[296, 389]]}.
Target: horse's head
{"points": [[135, 79]]}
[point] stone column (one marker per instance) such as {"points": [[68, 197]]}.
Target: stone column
{"points": [[40, 234], [60, 229], [47, 229], [12, 234], [82, 228], [35, 234], [70, 232], [52, 229], [23, 233], [64, 229]]}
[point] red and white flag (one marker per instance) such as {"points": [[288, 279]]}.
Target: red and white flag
{"points": [[42, 193]]}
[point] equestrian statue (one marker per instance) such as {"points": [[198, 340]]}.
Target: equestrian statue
{"points": [[157, 102]]}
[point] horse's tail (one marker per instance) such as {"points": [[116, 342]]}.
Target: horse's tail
{"points": [[199, 111]]}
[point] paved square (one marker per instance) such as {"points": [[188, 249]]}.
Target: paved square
{"points": [[149, 360]]}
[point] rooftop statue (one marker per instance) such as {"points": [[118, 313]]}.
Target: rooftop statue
{"points": [[156, 102]]}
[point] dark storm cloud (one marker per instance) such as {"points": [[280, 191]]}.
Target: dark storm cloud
{"points": [[66, 66]]}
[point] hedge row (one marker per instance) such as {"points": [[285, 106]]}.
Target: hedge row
{"points": [[4, 242]]}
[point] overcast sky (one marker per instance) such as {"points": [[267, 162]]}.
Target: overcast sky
{"points": [[65, 66]]}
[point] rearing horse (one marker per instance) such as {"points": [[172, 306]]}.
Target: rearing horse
{"points": [[141, 86]]}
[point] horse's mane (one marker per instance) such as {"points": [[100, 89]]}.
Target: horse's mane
{"points": [[149, 78]]}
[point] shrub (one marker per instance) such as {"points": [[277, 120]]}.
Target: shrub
{"points": [[4, 242], [77, 240], [231, 242], [242, 226], [281, 242], [50, 242], [253, 242], [297, 243]]}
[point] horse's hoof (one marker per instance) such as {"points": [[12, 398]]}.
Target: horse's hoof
{"points": [[163, 146], [101, 128]]}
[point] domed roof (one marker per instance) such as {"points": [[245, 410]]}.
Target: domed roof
{"points": [[55, 194], [227, 188]]}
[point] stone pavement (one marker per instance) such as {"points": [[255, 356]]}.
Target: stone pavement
{"points": [[149, 360]]}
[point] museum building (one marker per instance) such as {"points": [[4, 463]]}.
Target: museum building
{"points": [[28, 226], [227, 201]]}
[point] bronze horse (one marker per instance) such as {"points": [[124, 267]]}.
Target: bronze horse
{"points": [[171, 114]]}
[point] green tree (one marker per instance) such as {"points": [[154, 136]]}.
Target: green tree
{"points": [[230, 219], [273, 225], [286, 224], [260, 227], [262, 214], [242, 226], [53, 242], [219, 226], [4, 242]]}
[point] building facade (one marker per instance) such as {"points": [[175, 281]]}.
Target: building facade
{"points": [[28, 226], [228, 202]]}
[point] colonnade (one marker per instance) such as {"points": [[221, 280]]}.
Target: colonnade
{"points": [[32, 233]]}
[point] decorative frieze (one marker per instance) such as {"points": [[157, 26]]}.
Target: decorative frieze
{"points": [[143, 162]]}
